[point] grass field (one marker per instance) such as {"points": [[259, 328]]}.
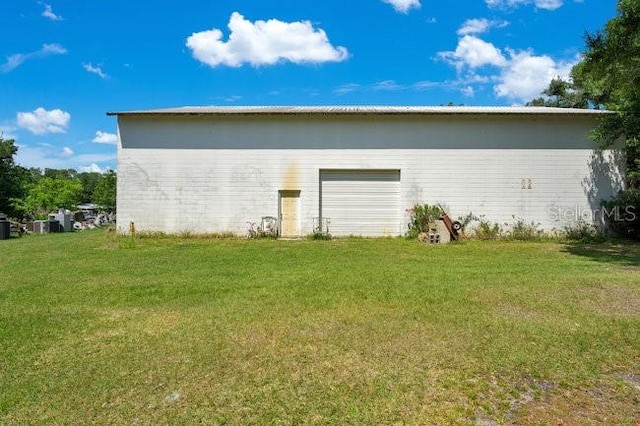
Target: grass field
{"points": [[99, 328]]}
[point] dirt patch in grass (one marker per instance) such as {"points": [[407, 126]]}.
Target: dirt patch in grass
{"points": [[612, 401], [605, 404], [513, 310], [612, 301]]}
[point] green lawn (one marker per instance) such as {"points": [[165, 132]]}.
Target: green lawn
{"points": [[98, 328]]}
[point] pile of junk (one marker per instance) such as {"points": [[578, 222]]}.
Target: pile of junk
{"points": [[60, 221]]}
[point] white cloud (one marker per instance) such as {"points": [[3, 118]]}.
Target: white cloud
{"points": [[527, 75], [66, 152], [463, 84], [346, 88], [426, 84], [473, 52], [41, 121], [468, 91], [516, 75], [93, 168], [387, 85], [106, 138], [49, 156], [233, 98], [97, 70], [53, 49], [41, 156], [479, 26], [264, 43], [17, 59], [548, 4], [403, 6], [540, 4], [48, 13]]}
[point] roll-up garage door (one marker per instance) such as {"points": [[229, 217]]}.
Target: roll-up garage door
{"points": [[361, 202]]}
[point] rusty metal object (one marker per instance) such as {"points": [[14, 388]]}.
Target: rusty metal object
{"points": [[454, 227]]}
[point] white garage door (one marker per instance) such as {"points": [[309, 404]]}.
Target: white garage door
{"points": [[361, 202]]}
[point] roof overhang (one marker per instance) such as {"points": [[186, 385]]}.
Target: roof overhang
{"points": [[356, 111]]}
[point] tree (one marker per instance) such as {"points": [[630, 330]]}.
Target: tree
{"points": [[609, 74], [104, 193], [561, 94], [60, 173], [89, 181], [50, 194], [609, 77], [7, 185], [13, 179]]}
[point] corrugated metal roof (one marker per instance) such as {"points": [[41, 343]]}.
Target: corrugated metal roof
{"points": [[357, 110]]}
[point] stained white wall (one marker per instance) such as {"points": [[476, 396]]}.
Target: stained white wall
{"points": [[214, 174]]}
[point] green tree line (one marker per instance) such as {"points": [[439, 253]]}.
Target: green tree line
{"points": [[36, 192]]}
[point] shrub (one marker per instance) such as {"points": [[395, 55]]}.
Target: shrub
{"points": [[487, 230], [317, 236], [524, 231], [583, 232], [423, 217], [622, 213], [466, 220], [518, 230]]}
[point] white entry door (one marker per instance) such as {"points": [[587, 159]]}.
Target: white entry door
{"points": [[289, 214]]}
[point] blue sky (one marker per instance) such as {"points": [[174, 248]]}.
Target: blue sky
{"points": [[65, 63]]}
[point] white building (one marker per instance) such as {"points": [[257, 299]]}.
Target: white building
{"points": [[213, 169]]}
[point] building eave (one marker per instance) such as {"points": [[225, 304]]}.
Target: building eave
{"points": [[355, 111]]}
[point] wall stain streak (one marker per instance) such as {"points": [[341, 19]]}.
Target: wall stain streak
{"points": [[291, 179]]}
